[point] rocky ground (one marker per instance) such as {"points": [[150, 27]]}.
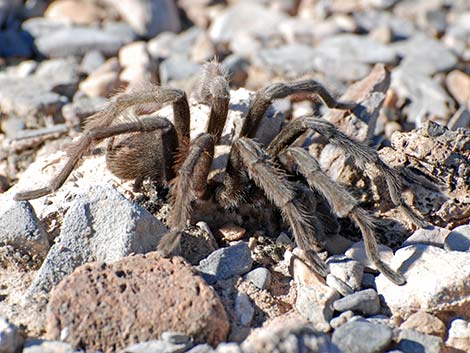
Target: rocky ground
{"points": [[78, 270]]}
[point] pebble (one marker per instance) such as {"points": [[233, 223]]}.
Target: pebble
{"points": [[458, 84], [226, 262], [149, 17], [75, 113], [425, 323], [63, 75], [373, 338], [104, 81], [11, 339], [157, 346], [358, 252], [365, 302], [46, 346], [459, 335], [409, 341], [201, 348], [92, 60], [236, 68], [434, 236], [461, 119], [260, 277], [100, 225], [168, 43], [344, 317], [458, 239], [177, 68], [244, 309], [348, 270], [232, 232], [334, 282], [21, 228], [75, 11]]}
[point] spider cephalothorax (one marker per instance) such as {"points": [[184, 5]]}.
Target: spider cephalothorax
{"points": [[291, 179]]}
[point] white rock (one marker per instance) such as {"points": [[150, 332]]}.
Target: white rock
{"points": [[459, 335], [437, 282], [358, 252]]}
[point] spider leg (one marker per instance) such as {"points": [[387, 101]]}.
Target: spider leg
{"points": [[189, 184], [343, 204], [264, 98], [360, 152], [281, 192], [93, 135]]}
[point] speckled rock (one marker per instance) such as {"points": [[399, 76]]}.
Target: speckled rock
{"points": [[154, 295]]}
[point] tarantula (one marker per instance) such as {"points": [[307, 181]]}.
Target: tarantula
{"points": [[155, 148]]}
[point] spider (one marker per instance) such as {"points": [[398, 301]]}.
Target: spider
{"points": [[154, 148]]}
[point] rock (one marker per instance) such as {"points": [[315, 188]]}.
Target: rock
{"points": [[372, 19], [134, 54], [434, 236], [170, 342], [425, 323], [236, 68], [368, 281], [232, 232], [167, 44], [20, 228], [287, 338], [461, 118], [344, 317], [458, 239], [41, 26], [149, 17], [11, 339], [16, 44], [373, 338], [46, 346], [358, 253], [365, 302], [351, 47], [348, 270], [84, 304], [232, 22], [458, 84], [244, 310], [75, 113], [91, 61], [410, 341], [104, 81], [260, 277], [436, 283], [78, 12], [228, 348], [203, 49], [201, 348], [62, 74], [177, 68], [459, 335], [100, 225], [424, 54], [77, 41], [226, 262], [340, 286]]}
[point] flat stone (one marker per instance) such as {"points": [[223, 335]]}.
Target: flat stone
{"points": [[100, 225], [226, 262], [459, 335], [21, 228], [260, 277], [11, 339], [149, 17], [373, 338], [157, 346], [436, 283], [425, 323], [409, 341], [365, 302], [154, 295], [458, 239], [434, 236], [348, 270], [77, 41]]}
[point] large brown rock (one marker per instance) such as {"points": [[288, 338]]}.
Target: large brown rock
{"points": [[109, 306]]}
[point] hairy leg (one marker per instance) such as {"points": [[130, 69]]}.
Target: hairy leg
{"points": [[281, 192], [190, 183], [362, 154], [343, 204], [89, 137]]}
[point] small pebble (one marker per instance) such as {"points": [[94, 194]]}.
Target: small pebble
{"points": [[232, 232], [458, 239], [334, 282], [362, 337], [341, 319], [365, 302], [260, 277], [244, 309], [411, 341]]}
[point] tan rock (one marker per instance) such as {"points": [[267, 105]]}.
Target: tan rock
{"points": [[73, 11], [134, 54], [232, 232], [104, 81], [458, 84], [425, 323], [107, 307], [437, 282]]}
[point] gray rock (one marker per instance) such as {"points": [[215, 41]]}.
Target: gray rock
{"points": [[232, 22], [20, 228], [168, 43], [226, 262], [11, 339], [62, 75], [315, 306], [434, 236], [341, 319], [178, 67], [149, 17], [348, 270], [458, 239], [351, 47], [425, 54], [411, 341], [368, 281], [175, 337], [365, 302], [244, 309], [260, 277], [42, 26], [91, 61], [362, 337], [236, 68], [157, 346], [342, 287], [12, 126], [461, 118], [100, 225], [369, 20], [77, 112], [201, 348], [16, 44], [77, 41], [46, 346]]}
